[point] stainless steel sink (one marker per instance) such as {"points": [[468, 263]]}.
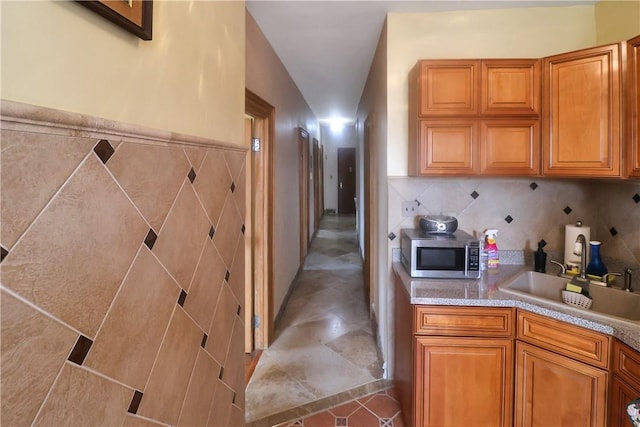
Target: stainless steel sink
{"points": [[610, 301]]}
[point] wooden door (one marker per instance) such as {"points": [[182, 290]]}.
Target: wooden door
{"points": [[346, 180], [633, 111], [463, 381], [446, 87], [303, 191], [581, 131], [510, 147], [554, 390], [448, 147]]}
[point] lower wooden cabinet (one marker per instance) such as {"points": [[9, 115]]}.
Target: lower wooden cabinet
{"points": [[554, 390], [463, 381]]}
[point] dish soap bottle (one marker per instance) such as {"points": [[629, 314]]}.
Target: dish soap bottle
{"points": [[540, 258], [491, 247]]}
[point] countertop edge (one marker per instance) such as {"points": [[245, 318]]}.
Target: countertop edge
{"points": [[485, 292]]}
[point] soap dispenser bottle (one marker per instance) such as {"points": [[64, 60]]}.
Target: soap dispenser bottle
{"points": [[491, 247], [540, 258]]}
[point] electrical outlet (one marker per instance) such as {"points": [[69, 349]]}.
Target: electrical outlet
{"points": [[410, 208]]}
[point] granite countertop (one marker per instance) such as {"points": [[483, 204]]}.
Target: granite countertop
{"points": [[486, 292]]}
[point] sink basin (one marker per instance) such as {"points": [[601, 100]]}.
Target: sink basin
{"points": [[609, 301]]}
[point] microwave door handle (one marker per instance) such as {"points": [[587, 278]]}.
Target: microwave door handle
{"points": [[466, 260]]}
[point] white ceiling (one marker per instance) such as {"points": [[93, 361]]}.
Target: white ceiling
{"points": [[327, 46]]}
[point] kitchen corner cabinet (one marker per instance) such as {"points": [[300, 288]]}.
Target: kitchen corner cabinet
{"points": [[470, 117], [561, 373], [582, 113], [625, 383], [633, 110]]}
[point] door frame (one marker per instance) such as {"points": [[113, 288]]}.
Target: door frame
{"points": [[259, 250], [317, 185], [303, 191], [369, 213]]}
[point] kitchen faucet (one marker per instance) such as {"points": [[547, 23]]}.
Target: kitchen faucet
{"points": [[580, 248]]}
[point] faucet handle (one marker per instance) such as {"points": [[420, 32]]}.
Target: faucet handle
{"points": [[605, 277], [563, 269]]}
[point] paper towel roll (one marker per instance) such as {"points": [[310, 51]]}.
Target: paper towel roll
{"points": [[571, 232]]}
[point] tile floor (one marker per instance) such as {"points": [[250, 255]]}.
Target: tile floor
{"points": [[324, 368]]}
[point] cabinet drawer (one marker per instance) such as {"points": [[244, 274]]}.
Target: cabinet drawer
{"points": [[560, 337], [626, 363], [464, 321]]}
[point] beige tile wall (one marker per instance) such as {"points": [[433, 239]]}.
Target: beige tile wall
{"points": [[100, 256], [539, 209]]}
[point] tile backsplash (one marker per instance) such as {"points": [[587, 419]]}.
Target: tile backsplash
{"points": [[527, 210], [122, 280]]}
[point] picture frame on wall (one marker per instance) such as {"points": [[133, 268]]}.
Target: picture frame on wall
{"points": [[135, 16]]}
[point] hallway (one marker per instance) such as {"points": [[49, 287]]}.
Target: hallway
{"points": [[324, 353]]}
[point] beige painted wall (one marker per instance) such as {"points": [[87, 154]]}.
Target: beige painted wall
{"points": [[509, 33], [189, 79], [617, 20], [267, 78]]}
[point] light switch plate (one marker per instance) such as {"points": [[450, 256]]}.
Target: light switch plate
{"points": [[410, 208]]}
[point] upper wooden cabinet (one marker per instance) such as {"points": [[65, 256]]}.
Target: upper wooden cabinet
{"points": [[446, 87], [470, 117], [633, 110], [581, 113], [510, 86]]}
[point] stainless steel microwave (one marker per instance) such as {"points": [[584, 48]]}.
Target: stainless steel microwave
{"points": [[440, 255]]}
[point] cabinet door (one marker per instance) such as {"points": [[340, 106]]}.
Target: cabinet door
{"points": [[510, 86], [581, 116], [510, 147], [447, 147], [463, 382], [633, 113], [447, 87], [553, 390], [621, 394]]}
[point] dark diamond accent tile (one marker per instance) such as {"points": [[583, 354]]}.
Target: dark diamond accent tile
{"points": [[104, 150], [135, 402], [509, 219], [233, 186], [239, 310], [192, 175], [80, 350], [543, 243], [533, 186], [150, 240], [243, 229], [226, 276], [3, 253], [475, 194], [613, 231], [567, 210], [221, 372], [204, 340], [212, 231], [391, 236], [182, 298], [636, 198]]}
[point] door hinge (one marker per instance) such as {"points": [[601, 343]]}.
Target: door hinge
{"points": [[255, 144], [255, 322]]}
